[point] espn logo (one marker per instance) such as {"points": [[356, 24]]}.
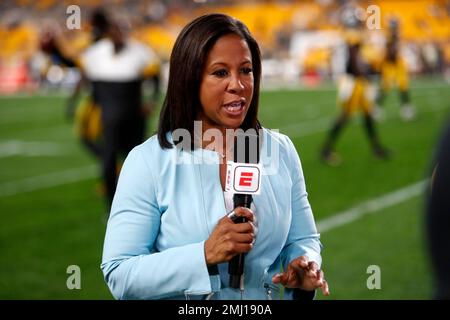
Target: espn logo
{"points": [[246, 179], [243, 178]]}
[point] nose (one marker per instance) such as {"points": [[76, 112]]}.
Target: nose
{"points": [[235, 85]]}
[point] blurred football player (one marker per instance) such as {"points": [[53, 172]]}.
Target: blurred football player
{"points": [[394, 73], [115, 68], [355, 93]]}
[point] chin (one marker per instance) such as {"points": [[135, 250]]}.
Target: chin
{"points": [[233, 124]]}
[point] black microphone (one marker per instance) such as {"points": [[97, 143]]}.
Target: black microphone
{"points": [[246, 151], [236, 265]]}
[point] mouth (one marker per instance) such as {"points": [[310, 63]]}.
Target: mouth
{"points": [[235, 108]]}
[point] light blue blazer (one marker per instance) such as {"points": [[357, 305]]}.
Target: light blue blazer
{"points": [[165, 207]]}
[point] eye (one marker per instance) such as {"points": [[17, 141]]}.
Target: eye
{"points": [[246, 70], [220, 73]]}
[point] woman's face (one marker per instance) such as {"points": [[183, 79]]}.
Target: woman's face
{"points": [[226, 88]]}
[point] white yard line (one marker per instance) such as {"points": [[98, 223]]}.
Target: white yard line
{"points": [[372, 206], [49, 180]]}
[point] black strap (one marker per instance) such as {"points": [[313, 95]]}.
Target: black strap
{"points": [[213, 270]]}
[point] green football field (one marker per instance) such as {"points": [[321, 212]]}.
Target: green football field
{"points": [[369, 211]]}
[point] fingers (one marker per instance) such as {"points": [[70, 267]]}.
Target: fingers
{"points": [[289, 278], [313, 269], [315, 275], [238, 248], [246, 227], [280, 278], [320, 282], [294, 275], [303, 274], [222, 248], [302, 261], [325, 288], [299, 264], [241, 237], [276, 278], [241, 212], [243, 227], [310, 267], [229, 239], [237, 233]]}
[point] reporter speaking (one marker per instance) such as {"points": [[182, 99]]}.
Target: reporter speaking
{"points": [[170, 234]]}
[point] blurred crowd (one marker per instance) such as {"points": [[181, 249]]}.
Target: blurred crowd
{"points": [[300, 40]]}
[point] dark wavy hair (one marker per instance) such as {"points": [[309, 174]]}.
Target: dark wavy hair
{"points": [[187, 62]]}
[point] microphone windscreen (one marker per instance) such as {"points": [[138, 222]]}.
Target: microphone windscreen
{"points": [[246, 146]]}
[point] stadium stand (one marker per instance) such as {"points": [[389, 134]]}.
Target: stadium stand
{"points": [[425, 30]]}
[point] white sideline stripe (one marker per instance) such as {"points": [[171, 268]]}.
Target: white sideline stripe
{"points": [[9, 148], [265, 86], [48, 180], [371, 206], [21, 186], [268, 86], [14, 187], [304, 128]]}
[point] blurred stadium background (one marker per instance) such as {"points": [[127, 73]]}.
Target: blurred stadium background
{"points": [[369, 211]]}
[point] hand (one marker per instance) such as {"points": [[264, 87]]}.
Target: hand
{"points": [[229, 239], [303, 274]]}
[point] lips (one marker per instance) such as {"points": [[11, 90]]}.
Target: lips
{"points": [[235, 108]]}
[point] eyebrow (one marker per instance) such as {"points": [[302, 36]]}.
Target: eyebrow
{"points": [[224, 64]]}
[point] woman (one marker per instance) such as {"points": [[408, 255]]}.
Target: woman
{"points": [[169, 235]]}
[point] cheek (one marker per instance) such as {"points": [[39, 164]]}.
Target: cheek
{"points": [[249, 88], [211, 91]]}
